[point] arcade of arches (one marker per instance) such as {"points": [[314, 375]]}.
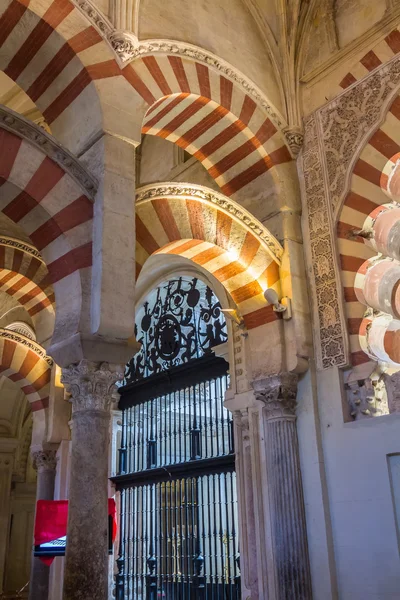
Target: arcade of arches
{"points": [[200, 299]]}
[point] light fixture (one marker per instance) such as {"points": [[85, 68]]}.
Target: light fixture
{"points": [[283, 306]]}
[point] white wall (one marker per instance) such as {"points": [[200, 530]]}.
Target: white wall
{"points": [[360, 500]]}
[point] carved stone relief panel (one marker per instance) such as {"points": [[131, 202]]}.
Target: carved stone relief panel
{"points": [[334, 137]]}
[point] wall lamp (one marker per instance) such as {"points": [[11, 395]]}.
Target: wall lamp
{"points": [[283, 306]]}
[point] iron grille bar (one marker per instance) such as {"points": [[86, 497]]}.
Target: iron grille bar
{"points": [[178, 502], [194, 371]]}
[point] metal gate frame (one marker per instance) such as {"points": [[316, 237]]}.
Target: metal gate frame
{"points": [[192, 373]]}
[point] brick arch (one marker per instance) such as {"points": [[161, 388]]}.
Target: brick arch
{"points": [[380, 53], [53, 210], [24, 276], [241, 129], [367, 193], [215, 233], [25, 363], [235, 149], [46, 48]]}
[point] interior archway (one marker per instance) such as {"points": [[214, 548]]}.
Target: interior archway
{"points": [[212, 231], [367, 192]]}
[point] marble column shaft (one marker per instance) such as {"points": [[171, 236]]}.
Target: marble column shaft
{"points": [[6, 469], [247, 520], [45, 463], [86, 566], [286, 502]]}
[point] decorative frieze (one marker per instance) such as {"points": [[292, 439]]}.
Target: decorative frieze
{"points": [[25, 341], [91, 384], [23, 246]]}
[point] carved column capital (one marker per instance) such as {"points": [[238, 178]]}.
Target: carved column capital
{"points": [[44, 460], [278, 395], [91, 384]]}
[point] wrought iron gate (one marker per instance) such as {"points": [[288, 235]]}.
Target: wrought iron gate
{"points": [[178, 522]]}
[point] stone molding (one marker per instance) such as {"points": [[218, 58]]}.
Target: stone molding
{"points": [[278, 395], [38, 137], [21, 339], [23, 329], [174, 189], [127, 48], [334, 138], [241, 420], [91, 384], [23, 246], [44, 460]]}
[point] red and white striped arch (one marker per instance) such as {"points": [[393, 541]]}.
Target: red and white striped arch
{"points": [[25, 363], [217, 235], [24, 276], [47, 203], [235, 148], [215, 120], [54, 212], [188, 101], [367, 192], [381, 53], [46, 49]]}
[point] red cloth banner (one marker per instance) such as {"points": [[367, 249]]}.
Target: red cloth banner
{"points": [[51, 521]]}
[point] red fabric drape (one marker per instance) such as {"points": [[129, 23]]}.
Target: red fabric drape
{"points": [[51, 521]]}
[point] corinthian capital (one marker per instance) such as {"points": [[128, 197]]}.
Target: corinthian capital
{"points": [[44, 460], [91, 384], [278, 394]]}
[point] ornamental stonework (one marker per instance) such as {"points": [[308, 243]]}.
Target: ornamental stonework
{"points": [[334, 136], [91, 384], [44, 460], [14, 336], [348, 122], [278, 395]]}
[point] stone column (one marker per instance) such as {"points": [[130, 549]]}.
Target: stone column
{"points": [[6, 470], [286, 514], [247, 521], [45, 463], [86, 567]]}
